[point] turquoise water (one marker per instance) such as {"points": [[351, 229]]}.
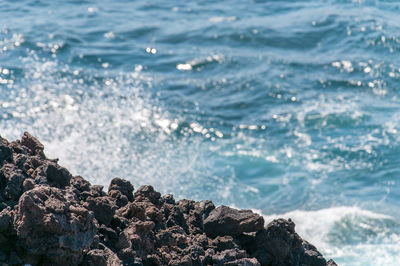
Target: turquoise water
{"points": [[290, 108]]}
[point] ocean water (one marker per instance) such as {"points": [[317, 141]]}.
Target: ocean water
{"points": [[289, 108]]}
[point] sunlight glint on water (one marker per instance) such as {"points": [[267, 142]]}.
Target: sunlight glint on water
{"points": [[290, 108]]}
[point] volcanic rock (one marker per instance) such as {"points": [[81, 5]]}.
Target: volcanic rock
{"points": [[49, 217], [51, 224], [227, 221]]}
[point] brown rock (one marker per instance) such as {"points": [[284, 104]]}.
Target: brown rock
{"points": [[120, 199], [98, 257], [13, 179], [57, 175], [123, 186], [5, 151], [147, 193], [243, 262], [227, 221], [309, 255], [5, 219], [80, 183], [132, 210], [278, 233], [28, 184], [331, 263], [49, 222], [34, 146], [48, 217], [102, 207], [229, 255]]}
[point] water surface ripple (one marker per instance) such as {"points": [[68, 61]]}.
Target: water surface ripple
{"points": [[290, 108]]}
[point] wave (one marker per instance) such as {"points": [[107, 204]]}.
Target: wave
{"points": [[349, 235]]}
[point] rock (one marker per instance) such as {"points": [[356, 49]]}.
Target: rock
{"points": [[102, 257], [331, 263], [102, 207], [34, 146], [229, 255], [184, 261], [120, 199], [50, 222], [309, 255], [132, 210], [227, 221], [95, 191], [57, 176], [195, 213], [278, 233], [138, 236], [147, 193], [243, 262], [5, 219], [80, 184], [174, 216], [13, 179], [224, 242], [28, 184], [169, 198], [5, 151], [48, 217], [122, 186]]}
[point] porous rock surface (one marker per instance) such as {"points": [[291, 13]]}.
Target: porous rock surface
{"points": [[49, 217]]}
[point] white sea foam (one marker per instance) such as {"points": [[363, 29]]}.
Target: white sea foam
{"points": [[105, 129], [220, 19], [349, 235]]}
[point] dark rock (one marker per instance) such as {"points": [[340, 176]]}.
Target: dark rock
{"points": [[95, 191], [309, 255], [80, 184], [102, 207], [28, 184], [174, 216], [57, 176], [5, 219], [108, 235], [5, 151], [48, 217], [13, 179], [120, 199], [224, 242], [122, 186], [34, 146], [169, 198], [132, 210], [152, 259], [227, 221], [207, 260], [165, 238], [101, 257], [243, 262], [154, 214], [147, 193], [14, 259], [139, 237], [278, 233], [195, 251], [50, 222], [17, 147], [229, 255], [186, 205], [331, 263]]}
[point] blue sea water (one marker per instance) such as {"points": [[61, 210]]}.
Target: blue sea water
{"points": [[289, 108]]}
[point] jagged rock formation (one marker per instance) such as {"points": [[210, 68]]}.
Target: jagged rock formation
{"points": [[49, 217]]}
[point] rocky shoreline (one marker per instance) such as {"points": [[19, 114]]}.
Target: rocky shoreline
{"points": [[49, 217]]}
